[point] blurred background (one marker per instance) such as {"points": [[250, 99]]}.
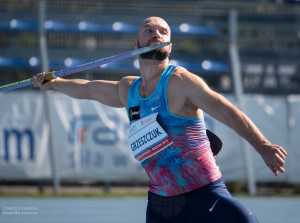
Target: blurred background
{"points": [[50, 35]]}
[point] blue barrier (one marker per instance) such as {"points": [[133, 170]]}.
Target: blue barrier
{"points": [[20, 25], [4, 25], [9, 62], [192, 29], [92, 27], [116, 27], [206, 66], [123, 27], [54, 26]]}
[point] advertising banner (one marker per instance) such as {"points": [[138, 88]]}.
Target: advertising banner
{"points": [[90, 140], [23, 137]]}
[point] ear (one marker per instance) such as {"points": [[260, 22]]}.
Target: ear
{"points": [[170, 47], [136, 44]]}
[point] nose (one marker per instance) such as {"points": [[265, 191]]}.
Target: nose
{"points": [[156, 35]]}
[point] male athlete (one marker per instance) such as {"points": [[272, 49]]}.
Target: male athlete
{"points": [[185, 182]]}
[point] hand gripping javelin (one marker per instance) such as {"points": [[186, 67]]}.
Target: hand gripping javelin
{"points": [[86, 66]]}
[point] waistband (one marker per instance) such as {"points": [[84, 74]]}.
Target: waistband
{"points": [[166, 199]]}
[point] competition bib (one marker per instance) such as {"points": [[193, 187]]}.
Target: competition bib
{"points": [[147, 137]]}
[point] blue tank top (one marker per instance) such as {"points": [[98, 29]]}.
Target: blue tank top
{"points": [[188, 163]]}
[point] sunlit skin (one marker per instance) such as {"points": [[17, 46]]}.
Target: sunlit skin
{"points": [[187, 94]]}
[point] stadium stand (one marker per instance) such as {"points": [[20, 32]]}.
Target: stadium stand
{"points": [[88, 30], [18, 25]]}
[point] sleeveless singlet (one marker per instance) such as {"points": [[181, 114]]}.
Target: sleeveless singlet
{"points": [[188, 163]]}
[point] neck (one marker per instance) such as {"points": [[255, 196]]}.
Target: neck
{"points": [[151, 71]]}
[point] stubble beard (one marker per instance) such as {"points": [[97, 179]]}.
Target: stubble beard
{"points": [[158, 54]]}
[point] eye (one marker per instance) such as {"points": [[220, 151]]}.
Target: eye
{"points": [[164, 32]]}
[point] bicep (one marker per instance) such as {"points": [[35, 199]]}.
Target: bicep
{"points": [[106, 92], [211, 102]]}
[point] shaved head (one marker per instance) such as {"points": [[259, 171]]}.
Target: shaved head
{"points": [[154, 19], [154, 30]]}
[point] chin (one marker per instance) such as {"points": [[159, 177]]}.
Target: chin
{"points": [[158, 54]]}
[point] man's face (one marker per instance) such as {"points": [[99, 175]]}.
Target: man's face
{"points": [[152, 31]]}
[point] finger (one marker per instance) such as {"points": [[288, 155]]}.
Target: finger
{"points": [[41, 77], [283, 151], [277, 167], [281, 155], [280, 161], [36, 80], [33, 81], [281, 169], [40, 74], [273, 169]]}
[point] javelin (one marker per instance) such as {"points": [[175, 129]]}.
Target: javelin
{"points": [[86, 66]]}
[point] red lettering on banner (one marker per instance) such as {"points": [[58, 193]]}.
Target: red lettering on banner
{"points": [[154, 149]]}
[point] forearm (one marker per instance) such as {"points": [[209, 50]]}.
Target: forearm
{"points": [[273, 155], [106, 92], [224, 111], [73, 88], [243, 126]]}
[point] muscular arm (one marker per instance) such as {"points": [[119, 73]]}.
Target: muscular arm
{"points": [[106, 92], [199, 94]]}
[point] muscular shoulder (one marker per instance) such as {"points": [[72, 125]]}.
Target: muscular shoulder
{"points": [[182, 78], [127, 81], [124, 85]]}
